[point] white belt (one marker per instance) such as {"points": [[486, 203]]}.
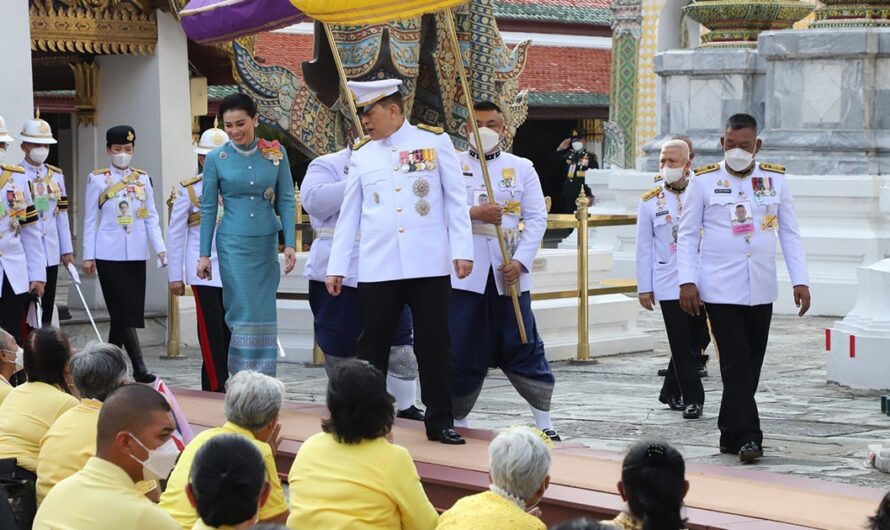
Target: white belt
{"points": [[485, 229], [327, 232]]}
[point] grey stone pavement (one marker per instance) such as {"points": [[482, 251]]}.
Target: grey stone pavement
{"points": [[812, 428]]}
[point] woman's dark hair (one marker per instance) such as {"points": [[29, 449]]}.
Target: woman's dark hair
{"points": [[46, 356], [360, 407], [227, 479], [238, 101], [881, 519], [653, 476]]}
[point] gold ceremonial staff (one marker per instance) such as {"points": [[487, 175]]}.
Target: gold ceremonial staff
{"points": [[356, 122]]}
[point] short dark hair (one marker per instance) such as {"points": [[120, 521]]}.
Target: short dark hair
{"points": [[741, 121], [129, 408], [360, 407], [227, 479], [392, 99], [881, 519], [653, 476], [238, 101], [47, 352], [487, 106]]}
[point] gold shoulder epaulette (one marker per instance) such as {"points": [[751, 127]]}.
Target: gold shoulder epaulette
{"points": [[54, 168], [706, 169], [188, 182], [99, 171], [358, 145], [137, 171], [14, 169], [651, 193], [657, 178], [430, 128], [775, 168]]}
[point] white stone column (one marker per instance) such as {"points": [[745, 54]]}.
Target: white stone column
{"points": [[17, 90]]}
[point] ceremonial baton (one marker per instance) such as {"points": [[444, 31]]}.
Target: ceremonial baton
{"points": [[75, 278]]}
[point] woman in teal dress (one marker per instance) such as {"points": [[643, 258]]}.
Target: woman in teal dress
{"points": [[253, 178]]}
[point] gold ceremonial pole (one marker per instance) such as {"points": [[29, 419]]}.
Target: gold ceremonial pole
{"points": [[471, 118], [173, 331], [356, 122], [583, 317]]}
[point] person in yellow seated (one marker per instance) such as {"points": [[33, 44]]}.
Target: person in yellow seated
{"points": [[227, 484], [350, 475], [252, 404], [29, 410], [11, 361], [519, 467], [134, 442], [96, 372]]}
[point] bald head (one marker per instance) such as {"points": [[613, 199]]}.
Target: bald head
{"points": [[678, 145], [130, 408]]}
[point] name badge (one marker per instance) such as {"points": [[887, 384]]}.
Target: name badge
{"points": [[740, 218], [722, 190]]}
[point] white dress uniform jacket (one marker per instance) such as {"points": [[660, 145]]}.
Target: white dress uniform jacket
{"points": [[413, 219], [738, 268], [658, 221], [322, 194], [52, 221], [517, 188], [22, 258], [103, 236], [184, 236]]}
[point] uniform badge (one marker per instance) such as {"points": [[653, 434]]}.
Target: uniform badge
{"points": [[769, 222], [223, 155], [142, 213], [422, 207], [508, 177], [513, 208], [421, 187], [376, 198], [108, 180], [269, 194]]}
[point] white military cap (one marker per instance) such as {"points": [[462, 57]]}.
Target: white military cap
{"points": [[211, 139], [37, 131], [4, 132], [367, 93]]}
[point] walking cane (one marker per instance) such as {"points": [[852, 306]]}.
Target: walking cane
{"points": [[75, 278]]}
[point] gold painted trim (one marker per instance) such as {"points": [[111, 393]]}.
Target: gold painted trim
{"points": [[128, 30]]}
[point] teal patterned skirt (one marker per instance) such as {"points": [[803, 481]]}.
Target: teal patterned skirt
{"points": [[250, 274]]}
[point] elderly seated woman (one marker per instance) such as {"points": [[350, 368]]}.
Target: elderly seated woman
{"points": [[70, 442], [252, 404], [519, 467], [11, 360], [350, 475], [227, 483]]}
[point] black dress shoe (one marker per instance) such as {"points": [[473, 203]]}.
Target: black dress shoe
{"points": [[552, 434], [446, 436], [411, 413], [702, 371], [673, 402], [693, 411], [662, 372], [145, 378], [750, 452]]}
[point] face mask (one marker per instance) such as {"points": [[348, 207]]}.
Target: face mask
{"points": [[672, 174], [121, 160], [39, 154], [160, 461], [19, 359], [738, 159], [577, 146], [490, 139]]}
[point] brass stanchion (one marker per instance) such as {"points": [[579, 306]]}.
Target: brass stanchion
{"points": [[173, 336], [583, 317], [317, 354]]}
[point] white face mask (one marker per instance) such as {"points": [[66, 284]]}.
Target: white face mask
{"points": [[160, 461], [39, 154], [490, 139], [121, 160], [672, 174], [738, 159], [577, 146], [18, 358]]}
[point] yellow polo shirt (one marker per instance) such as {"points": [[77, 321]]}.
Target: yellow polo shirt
{"points": [[201, 525], [488, 511], [174, 499], [101, 496], [25, 416], [67, 446], [5, 388]]}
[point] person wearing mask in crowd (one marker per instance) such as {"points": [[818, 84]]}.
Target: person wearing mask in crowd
{"points": [[253, 177], [117, 246], [133, 443], [351, 472], [252, 404], [519, 468], [12, 360], [653, 484], [184, 243], [47, 187], [227, 484], [96, 371]]}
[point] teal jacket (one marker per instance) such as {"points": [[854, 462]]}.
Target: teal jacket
{"points": [[253, 190]]}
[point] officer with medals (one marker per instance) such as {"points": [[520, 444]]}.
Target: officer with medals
{"points": [[734, 273], [405, 195], [184, 238], [119, 220], [658, 220], [338, 320], [47, 186], [484, 332]]}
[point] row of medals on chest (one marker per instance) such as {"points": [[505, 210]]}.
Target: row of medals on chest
{"points": [[15, 201]]}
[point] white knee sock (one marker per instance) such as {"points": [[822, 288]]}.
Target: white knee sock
{"points": [[462, 422], [542, 418], [405, 392]]}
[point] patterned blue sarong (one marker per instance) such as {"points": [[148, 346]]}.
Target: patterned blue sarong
{"points": [[250, 274]]}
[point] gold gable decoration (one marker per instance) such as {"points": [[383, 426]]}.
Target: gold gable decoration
{"points": [[93, 26]]}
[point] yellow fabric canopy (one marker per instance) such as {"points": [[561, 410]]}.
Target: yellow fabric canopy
{"points": [[356, 12]]}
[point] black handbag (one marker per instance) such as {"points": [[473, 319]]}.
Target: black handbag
{"points": [[18, 504]]}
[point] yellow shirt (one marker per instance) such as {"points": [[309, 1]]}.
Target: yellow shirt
{"points": [[101, 496], [68, 444], [488, 510], [174, 500], [5, 388], [25, 416], [201, 525], [373, 484]]}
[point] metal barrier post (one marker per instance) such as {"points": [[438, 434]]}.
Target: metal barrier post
{"points": [[172, 303], [581, 204]]}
